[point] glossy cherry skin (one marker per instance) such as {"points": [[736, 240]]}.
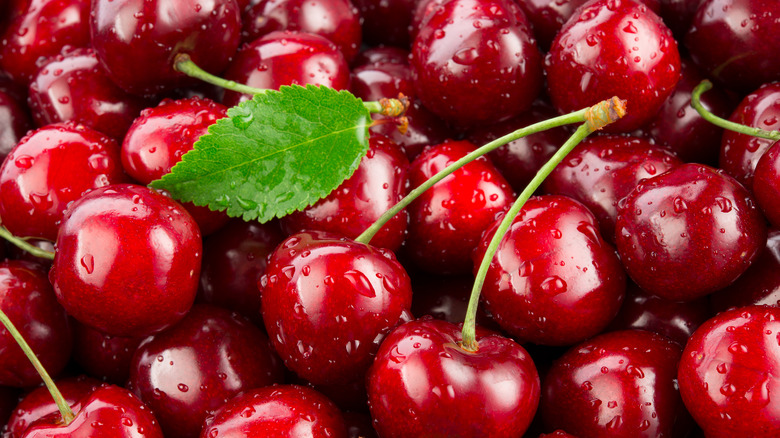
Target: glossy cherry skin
{"points": [[50, 168], [279, 410], [27, 299], [729, 373], [554, 279], [766, 184], [619, 384], [377, 185], [130, 33], [336, 20], [127, 261], [45, 27], [739, 153], [108, 412], [422, 379], [476, 62], [602, 170], [328, 302], [613, 48], [190, 370], [103, 356], [287, 58], [14, 123], [731, 40], [447, 220], [74, 87], [694, 220]]}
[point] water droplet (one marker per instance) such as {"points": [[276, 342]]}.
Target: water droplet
{"points": [[679, 205], [24, 162], [466, 56], [88, 262], [360, 283], [246, 204], [554, 285]]}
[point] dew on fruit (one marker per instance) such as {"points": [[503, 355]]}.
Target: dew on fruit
{"points": [[88, 262]]}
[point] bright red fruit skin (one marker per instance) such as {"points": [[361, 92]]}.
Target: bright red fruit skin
{"points": [[127, 260], [327, 303], [103, 356], [27, 299], [278, 411], [127, 34], [766, 184], [729, 373], [14, 122], [619, 384], [613, 48], [377, 185], [554, 280], [476, 62], [187, 372], [447, 220], [688, 232], [50, 168], [422, 380]]}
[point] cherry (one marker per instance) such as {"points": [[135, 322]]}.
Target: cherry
{"points": [[692, 219], [378, 183], [190, 370], [286, 58], [446, 221], [678, 15], [616, 384], [50, 168], [731, 40], [548, 16], [27, 298], [14, 123], [103, 356], [131, 33], [378, 56], [766, 186], [279, 410], [728, 373], [554, 280], [74, 87], [127, 261], [613, 48], [328, 302], [602, 170], [422, 379]]}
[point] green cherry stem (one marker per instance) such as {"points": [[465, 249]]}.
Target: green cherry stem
{"points": [[22, 244], [723, 123], [65, 411]]}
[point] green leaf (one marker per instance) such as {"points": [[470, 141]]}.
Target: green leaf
{"points": [[280, 152]]}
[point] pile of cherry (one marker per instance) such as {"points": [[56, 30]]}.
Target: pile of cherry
{"points": [[643, 282]]}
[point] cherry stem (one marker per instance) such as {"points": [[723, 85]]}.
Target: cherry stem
{"points": [[26, 246], [184, 64], [64, 407], [706, 85]]}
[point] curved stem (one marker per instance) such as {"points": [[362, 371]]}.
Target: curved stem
{"points": [[21, 244], [723, 123], [65, 411]]}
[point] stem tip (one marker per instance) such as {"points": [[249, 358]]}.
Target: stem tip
{"points": [[605, 112]]}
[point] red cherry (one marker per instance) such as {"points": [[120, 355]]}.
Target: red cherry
{"points": [[127, 261], [14, 123], [422, 379], [103, 356], [766, 184]]}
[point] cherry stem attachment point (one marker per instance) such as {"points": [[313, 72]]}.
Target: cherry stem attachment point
{"points": [[62, 404], [706, 85], [24, 245]]}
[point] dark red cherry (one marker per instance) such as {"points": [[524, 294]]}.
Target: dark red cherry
{"points": [[386, 22], [766, 184], [279, 410], [127, 34], [613, 48], [187, 372], [739, 153], [108, 412], [447, 298], [475, 62], [377, 56], [14, 123], [554, 279], [336, 20], [328, 302], [548, 16], [678, 15], [359, 425], [603, 170], [127, 261], [27, 299], [50, 168], [103, 356], [287, 58], [42, 30], [732, 41], [377, 185], [617, 384], [728, 373], [422, 379], [688, 232], [447, 220], [74, 87]]}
